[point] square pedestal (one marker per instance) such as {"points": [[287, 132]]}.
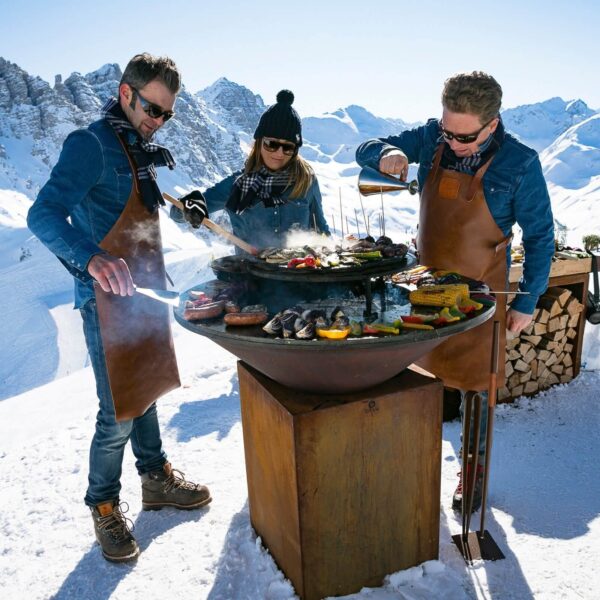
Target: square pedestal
{"points": [[343, 490]]}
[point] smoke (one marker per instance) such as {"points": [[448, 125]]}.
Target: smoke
{"points": [[144, 233], [297, 239]]}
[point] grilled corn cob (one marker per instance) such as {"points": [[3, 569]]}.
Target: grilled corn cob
{"points": [[439, 295]]}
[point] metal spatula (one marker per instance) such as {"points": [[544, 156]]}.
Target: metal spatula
{"points": [[166, 296]]}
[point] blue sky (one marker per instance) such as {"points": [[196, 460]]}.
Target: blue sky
{"points": [[389, 56]]}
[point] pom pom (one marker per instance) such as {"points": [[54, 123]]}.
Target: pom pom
{"points": [[285, 97]]}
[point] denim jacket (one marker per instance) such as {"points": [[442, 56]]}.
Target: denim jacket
{"points": [[85, 195], [515, 192], [262, 226]]}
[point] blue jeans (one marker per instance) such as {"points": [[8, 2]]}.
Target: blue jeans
{"points": [[110, 438], [483, 422]]}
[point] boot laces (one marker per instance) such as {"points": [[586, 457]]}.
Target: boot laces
{"points": [[117, 525], [478, 477], [177, 480]]}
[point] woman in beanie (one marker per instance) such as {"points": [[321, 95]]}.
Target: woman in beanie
{"points": [[276, 192]]}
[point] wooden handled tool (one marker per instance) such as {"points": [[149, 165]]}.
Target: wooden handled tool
{"points": [[236, 241]]}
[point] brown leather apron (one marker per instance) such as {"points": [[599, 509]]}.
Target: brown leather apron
{"points": [[458, 233], [136, 330]]}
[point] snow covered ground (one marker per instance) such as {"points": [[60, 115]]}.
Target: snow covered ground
{"points": [[545, 483]]}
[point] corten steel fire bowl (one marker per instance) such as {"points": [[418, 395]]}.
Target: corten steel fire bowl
{"points": [[329, 366]]}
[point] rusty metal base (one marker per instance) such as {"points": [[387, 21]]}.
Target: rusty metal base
{"points": [[476, 547]]}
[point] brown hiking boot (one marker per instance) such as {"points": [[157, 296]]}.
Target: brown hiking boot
{"points": [[170, 488], [457, 498], [113, 531]]}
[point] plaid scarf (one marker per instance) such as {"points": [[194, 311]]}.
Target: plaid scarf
{"points": [[145, 155], [260, 186], [470, 164]]}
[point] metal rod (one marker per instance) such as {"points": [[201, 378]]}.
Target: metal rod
{"points": [[341, 212], [315, 222], [490, 423], [474, 453], [333, 221], [465, 457], [364, 215], [347, 226], [357, 224]]}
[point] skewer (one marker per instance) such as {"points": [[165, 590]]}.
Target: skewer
{"points": [[341, 212], [357, 226], [333, 221], [347, 226], [315, 222], [364, 215], [382, 213]]}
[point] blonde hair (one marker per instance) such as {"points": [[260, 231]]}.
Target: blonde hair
{"points": [[301, 173]]}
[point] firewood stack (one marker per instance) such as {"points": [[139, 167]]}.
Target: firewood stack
{"points": [[542, 355]]}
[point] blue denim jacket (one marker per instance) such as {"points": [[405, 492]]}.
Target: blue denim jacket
{"points": [[85, 195], [262, 226], [515, 192]]}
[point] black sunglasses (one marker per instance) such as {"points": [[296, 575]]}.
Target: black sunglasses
{"points": [[271, 145], [153, 110], [467, 138]]}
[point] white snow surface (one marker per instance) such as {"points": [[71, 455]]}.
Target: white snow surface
{"points": [[544, 489]]}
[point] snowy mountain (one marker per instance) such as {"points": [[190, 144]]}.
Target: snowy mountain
{"points": [[213, 128], [35, 118], [538, 125], [572, 168], [336, 135]]}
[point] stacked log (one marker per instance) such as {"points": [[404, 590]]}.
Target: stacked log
{"points": [[542, 355]]}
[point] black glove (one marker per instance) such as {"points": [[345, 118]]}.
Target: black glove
{"points": [[194, 208]]}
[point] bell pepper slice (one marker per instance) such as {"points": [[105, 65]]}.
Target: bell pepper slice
{"points": [[333, 334], [379, 328], [468, 305]]}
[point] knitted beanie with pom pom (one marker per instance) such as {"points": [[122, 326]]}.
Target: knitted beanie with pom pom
{"points": [[281, 121]]}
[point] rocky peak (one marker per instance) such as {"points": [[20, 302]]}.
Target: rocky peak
{"points": [[234, 104], [35, 118]]}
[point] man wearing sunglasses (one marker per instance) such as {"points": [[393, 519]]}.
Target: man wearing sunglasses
{"points": [[98, 214], [476, 182]]}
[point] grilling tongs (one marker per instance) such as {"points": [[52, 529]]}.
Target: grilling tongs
{"points": [[236, 241], [166, 296]]}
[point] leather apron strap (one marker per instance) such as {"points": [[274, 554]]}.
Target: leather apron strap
{"points": [[458, 233], [136, 331]]}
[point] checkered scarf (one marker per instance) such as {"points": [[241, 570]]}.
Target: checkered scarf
{"points": [[145, 155], [260, 186]]}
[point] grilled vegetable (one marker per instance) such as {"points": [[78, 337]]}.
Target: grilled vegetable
{"points": [[372, 255], [439, 295], [446, 317], [333, 334], [468, 305], [378, 329]]}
